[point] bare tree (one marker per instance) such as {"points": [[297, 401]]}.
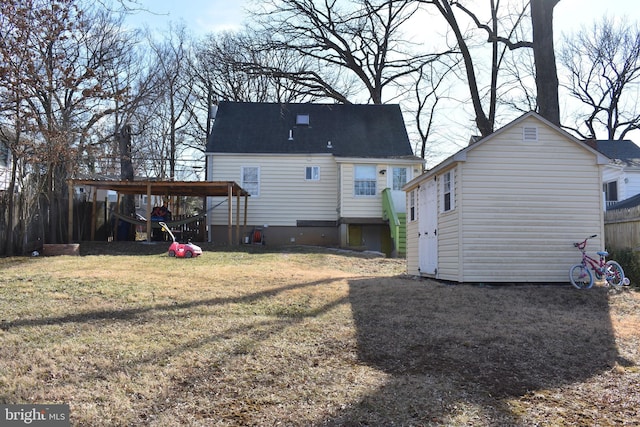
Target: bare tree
{"points": [[603, 64], [66, 51], [360, 42], [545, 59], [172, 57], [501, 37]]}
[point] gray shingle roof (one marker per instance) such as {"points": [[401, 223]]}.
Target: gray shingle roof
{"points": [[353, 130], [622, 152], [631, 202]]}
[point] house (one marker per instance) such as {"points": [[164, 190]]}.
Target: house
{"points": [[5, 164], [318, 174], [621, 177], [507, 208]]}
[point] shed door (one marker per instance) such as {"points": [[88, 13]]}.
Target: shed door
{"points": [[427, 227]]}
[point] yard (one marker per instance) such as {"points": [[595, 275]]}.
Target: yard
{"points": [[308, 338]]}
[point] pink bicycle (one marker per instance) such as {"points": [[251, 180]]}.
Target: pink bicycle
{"points": [[581, 276]]}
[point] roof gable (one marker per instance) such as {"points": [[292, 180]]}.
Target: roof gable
{"points": [[344, 130], [475, 143], [622, 152]]}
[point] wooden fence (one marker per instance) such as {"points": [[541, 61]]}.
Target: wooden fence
{"points": [[622, 228]]}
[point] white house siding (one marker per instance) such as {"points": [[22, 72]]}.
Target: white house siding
{"points": [[525, 203], [285, 196], [628, 180], [631, 183], [352, 206]]}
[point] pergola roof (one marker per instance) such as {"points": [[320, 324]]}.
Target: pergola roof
{"points": [[166, 188]]}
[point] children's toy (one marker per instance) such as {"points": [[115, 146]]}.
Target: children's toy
{"points": [[181, 250]]}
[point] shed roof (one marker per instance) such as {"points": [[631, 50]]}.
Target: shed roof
{"points": [[461, 155], [343, 130]]}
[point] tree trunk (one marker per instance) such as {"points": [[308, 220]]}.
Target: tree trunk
{"points": [[126, 166], [545, 59]]}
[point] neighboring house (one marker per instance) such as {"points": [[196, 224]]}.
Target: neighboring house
{"points": [[316, 172], [621, 177], [507, 208], [5, 165]]}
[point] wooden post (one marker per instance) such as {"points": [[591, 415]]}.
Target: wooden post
{"points": [[94, 220], [70, 216], [230, 212], [148, 212], [246, 204], [117, 221], [238, 218]]}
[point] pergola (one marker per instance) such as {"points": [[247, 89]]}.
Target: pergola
{"points": [[227, 189]]}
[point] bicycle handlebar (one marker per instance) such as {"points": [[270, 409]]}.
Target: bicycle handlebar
{"points": [[582, 244]]}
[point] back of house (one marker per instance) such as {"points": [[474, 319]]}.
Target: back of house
{"points": [[316, 172]]}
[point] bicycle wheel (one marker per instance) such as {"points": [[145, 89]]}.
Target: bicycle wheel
{"points": [[614, 274], [581, 277]]}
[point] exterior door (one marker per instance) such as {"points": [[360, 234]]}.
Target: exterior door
{"points": [[428, 228], [398, 177]]}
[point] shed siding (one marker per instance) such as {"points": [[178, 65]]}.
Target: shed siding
{"points": [[448, 231], [524, 201], [285, 196], [412, 236]]}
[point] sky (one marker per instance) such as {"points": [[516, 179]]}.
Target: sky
{"points": [[204, 16]]}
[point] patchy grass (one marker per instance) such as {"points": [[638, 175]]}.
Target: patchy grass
{"points": [[308, 338]]}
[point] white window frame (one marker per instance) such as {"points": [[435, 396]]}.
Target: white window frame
{"points": [[413, 195], [365, 180], [447, 188], [312, 173], [253, 187]]}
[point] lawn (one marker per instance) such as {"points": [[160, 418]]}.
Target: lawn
{"points": [[308, 338]]}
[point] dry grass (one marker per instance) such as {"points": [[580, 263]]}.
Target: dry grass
{"points": [[308, 338]]}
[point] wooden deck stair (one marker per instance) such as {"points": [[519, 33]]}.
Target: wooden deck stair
{"points": [[397, 223]]}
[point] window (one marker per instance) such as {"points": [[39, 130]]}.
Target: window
{"points": [[610, 190], [399, 178], [302, 119], [4, 155], [412, 205], [312, 173], [447, 191], [365, 180], [251, 180]]}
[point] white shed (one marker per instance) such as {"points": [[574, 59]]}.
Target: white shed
{"points": [[507, 208]]}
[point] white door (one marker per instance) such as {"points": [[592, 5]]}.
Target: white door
{"points": [[428, 228]]}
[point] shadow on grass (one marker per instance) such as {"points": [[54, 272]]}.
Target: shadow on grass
{"points": [[455, 354], [133, 313]]}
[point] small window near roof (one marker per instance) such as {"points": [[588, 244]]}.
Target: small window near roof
{"points": [[529, 133], [302, 119]]}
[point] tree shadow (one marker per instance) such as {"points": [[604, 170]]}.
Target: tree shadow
{"points": [[465, 348]]}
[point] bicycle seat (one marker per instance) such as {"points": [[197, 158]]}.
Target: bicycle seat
{"points": [[603, 253]]}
